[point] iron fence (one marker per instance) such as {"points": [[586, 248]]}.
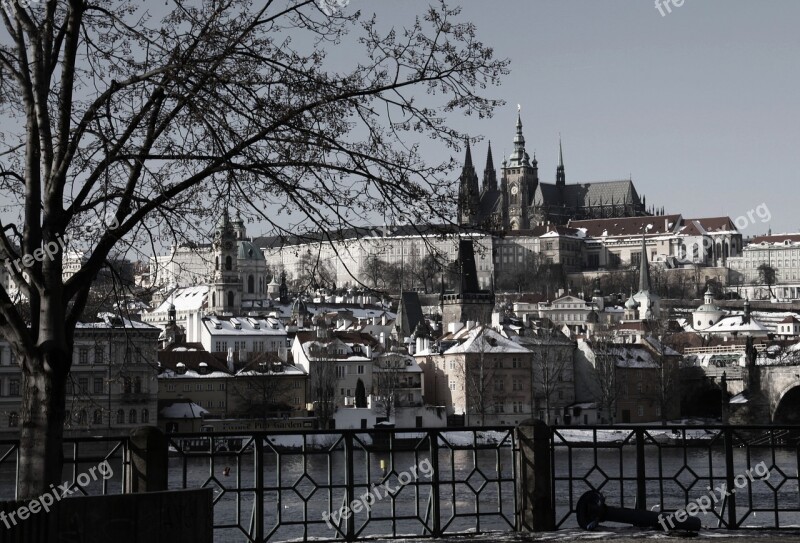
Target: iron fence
{"points": [[743, 476]]}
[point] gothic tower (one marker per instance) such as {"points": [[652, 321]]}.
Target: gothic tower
{"points": [[489, 173], [519, 183], [226, 292], [561, 178], [468, 193]]}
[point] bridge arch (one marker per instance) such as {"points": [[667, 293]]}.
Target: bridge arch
{"points": [[787, 406]]}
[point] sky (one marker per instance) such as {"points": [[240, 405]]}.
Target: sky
{"points": [[699, 105]]}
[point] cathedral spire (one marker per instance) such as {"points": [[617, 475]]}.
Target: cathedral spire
{"points": [[468, 193], [561, 177], [489, 173]]}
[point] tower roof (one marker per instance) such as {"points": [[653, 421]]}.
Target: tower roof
{"points": [[644, 270], [489, 159], [468, 158], [518, 156]]}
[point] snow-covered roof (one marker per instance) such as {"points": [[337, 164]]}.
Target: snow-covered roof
{"points": [[736, 323], [243, 326], [111, 320], [184, 299], [481, 339]]}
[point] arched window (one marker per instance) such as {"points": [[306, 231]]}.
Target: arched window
{"points": [[120, 416], [13, 419], [696, 251], [132, 416], [251, 284], [228, 263], [726, 250], [145, 416], [216, 263], [97, 418], [230, 298]]}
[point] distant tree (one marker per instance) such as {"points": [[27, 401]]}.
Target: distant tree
{"points": [[767, 275], [314, 272], [478, 371], [552, 365], [322, 384], [361, 394], [388, 376], [606, 353], [259, 391]]}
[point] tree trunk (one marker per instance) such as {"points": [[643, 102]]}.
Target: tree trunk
{"points": [[41, 436]]}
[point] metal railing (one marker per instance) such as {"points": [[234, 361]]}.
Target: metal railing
{"points": [[81, 455], [351, 484], [743, 476]]}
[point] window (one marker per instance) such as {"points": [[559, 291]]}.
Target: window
{"points": [[145, 416], [198, 387], [640, 410], [221, 386], [210, 386], [170, 387], [222, 403], [13, 387], [452, 385], [99, 353], [13, 419], [361, 369], [82, 417], [340, 372], [132, 416], [126, 385], [98, 385], [83, 355], [120, 416], [187, 387], [97, 417], [83, 384]]}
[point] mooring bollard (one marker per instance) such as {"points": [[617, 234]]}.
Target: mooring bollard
{"points": [[591, 510]]}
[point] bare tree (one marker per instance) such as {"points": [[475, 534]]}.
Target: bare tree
{"points": [[606, 353], [259, 389], [322, 384], [388, 377], [143, 125], [478, 371], [662, 343], [551, 367]]}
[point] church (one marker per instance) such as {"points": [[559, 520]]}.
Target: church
{"points": [[522, 202]]}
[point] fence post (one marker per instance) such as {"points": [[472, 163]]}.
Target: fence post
{"points": [[148, 462], [732, 524], [436, 522], [349, 489], [536, 512], [641, 486]]}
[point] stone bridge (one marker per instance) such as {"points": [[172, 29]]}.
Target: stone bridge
{"points": [[780, 389]]}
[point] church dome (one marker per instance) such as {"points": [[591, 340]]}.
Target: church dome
{"points": [[248, 251]]}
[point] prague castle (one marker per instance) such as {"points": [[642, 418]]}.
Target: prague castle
{"points": [[522, 202]]}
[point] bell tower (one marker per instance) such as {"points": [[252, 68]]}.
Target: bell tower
{"points": [[226, 293], [519, 182]]}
